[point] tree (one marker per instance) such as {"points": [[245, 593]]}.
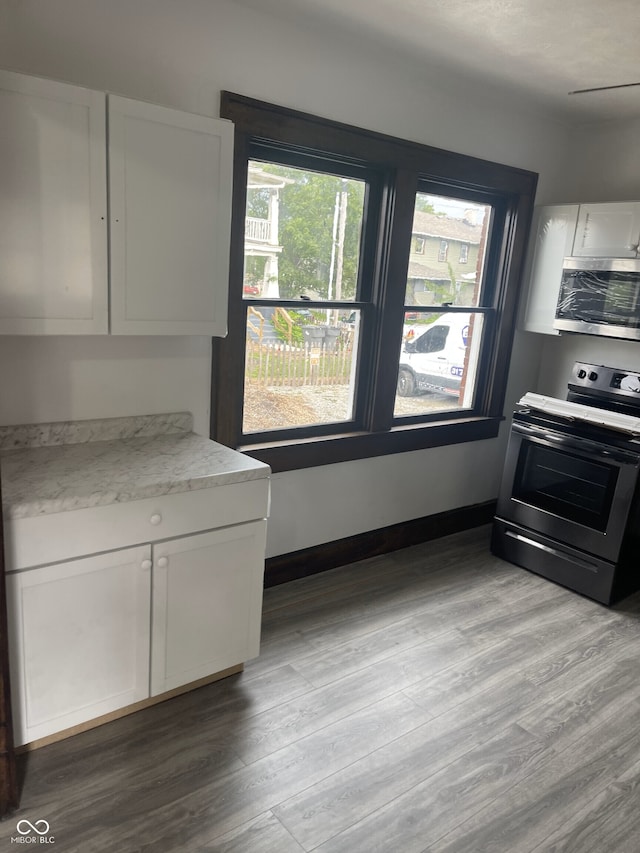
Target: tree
{"points": [[307, 233], [423, 204]]}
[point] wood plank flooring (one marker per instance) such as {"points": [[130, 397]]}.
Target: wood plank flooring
{"points": [[435, 700]]}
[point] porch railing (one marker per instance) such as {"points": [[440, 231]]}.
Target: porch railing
{"points": [[258, 230]]}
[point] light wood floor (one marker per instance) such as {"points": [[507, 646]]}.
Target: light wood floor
{"points": [[435, 700]]}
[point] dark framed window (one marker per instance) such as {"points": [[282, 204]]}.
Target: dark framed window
{"points": [[340, 346], [418, 244]]}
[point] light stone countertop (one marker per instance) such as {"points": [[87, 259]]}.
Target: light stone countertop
{"points": [[57, 477]]}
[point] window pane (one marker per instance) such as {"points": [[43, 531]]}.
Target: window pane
{"points": [[447, 251], [302, 234], [300, 367], [438, 364]]}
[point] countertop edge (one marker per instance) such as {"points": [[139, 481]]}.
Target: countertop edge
{"points": [[20, 436], [47, 480]]}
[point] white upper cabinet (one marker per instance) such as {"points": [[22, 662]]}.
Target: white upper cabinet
{"points": [[552, 236], [608, 230], [53, 208], [170, 196]]}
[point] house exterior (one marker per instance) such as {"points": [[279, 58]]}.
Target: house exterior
{"points": [[443, 259], [261, 235], [183, 55]]}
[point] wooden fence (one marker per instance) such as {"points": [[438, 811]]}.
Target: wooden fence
{"points": [[323, 357], [275, 364]]}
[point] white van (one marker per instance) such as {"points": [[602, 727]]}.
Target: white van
{"points": [[433, 360]]}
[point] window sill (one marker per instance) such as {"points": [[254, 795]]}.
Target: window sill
{"points": [[326, 450]]}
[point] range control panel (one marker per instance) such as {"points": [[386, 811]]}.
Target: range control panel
{"points": [[600, 379], [627, 382]]}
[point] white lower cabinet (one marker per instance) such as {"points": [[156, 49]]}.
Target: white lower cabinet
{"points": [[79, 640], [207, 602], [93, 635]]}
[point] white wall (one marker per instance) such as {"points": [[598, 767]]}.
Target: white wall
{"points": [[74, 378], [182, 54], [605, 166], [560, 353]]}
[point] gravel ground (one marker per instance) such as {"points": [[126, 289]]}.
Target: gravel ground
{"points": [[273, 408]]}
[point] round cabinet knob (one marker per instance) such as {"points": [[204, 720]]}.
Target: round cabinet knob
{"points": [[145, 564], [162, 562], [156, 518]]}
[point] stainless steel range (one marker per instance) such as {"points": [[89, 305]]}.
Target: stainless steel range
{"points": [[569, 503]]}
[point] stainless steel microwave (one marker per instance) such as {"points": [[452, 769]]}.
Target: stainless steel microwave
{"points": [[600, 296]]}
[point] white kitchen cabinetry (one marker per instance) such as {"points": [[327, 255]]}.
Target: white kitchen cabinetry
{"points": [[553, 229], [169, 196], [608, 230], [207, 598], [79, 640], [80, 629], [53, 208]]}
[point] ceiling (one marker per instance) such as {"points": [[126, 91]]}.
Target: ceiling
{"points": [[538, 50]]}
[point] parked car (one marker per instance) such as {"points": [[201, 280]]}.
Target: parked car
{"points": [[434, 359], [251, 290]]}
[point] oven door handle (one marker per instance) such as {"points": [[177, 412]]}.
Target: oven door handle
{"points": [[595, 448]]}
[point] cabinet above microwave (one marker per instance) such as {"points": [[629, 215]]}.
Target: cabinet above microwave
{"points": [[607, 230], [558, 231]]}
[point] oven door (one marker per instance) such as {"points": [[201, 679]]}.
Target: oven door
{"points": [[571, 489]]}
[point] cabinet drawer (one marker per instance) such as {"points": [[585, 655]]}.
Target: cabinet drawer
{"points": [[60, 536]]}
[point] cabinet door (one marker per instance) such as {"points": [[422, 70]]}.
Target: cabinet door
{"points": [[53, 208], [552, 235], [170, 195], [207, 603], [79, 640], [608, 230]]}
